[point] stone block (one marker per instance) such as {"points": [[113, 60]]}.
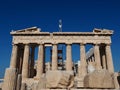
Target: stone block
{"points": [[116, 77], [10, 79], [79, 82], [41, 84], [23, 86], [59, 79], [1, 86], [99, 79]]}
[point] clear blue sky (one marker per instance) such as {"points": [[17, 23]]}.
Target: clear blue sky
{"points": [[77, 16]]}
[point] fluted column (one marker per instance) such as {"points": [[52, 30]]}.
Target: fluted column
{"points": [[68, 57], [40, 61], [25, 62], [97, 57], [14, 56], [109, 58], [83, 60], [54, 57]]}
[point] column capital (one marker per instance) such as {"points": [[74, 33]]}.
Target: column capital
{"points": [[108, 44], [82, 43], [54, 43], [96, 43], [14, 43], [41, 43], [68, 43], [26, 43]]}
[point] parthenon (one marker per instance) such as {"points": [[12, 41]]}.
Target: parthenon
{"points": [[96, 70]]}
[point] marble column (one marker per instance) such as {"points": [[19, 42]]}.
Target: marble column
{"points": [[32, 61], [40, 61], [25, 68], [54, 57], [13, 62], [97, 57], [109, 58], [83, 62], [68, 57]]}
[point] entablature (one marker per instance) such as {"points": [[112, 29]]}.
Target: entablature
{"points": [[34, 35]]}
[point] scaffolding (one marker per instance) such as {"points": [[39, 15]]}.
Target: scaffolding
{"points": [[60, 58]]}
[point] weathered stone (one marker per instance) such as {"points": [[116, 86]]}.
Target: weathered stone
{"points": [[29, 83], [19, 80], [10, 79], [59, 37], [116, 77], [59, 79], [23, 86], [91, 68], [99, 79], [41, 84], [1, 86]]}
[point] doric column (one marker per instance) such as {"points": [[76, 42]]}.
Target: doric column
{"points": [[14, 56], [32, 61], [40, 60], [97, 57], [25, 62], [109, 58], [83, 62], [68, 57], [54, 57]]}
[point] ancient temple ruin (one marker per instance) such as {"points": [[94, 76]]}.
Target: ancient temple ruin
{"points": [[26, 74]]}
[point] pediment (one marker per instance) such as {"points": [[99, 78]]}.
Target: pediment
{"points": [[31, 29], [103, 31]]}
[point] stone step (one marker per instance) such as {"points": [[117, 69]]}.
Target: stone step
{"points": [[80, 84]]}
